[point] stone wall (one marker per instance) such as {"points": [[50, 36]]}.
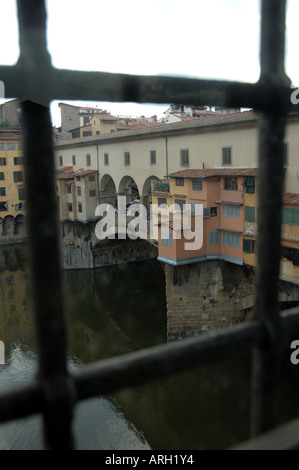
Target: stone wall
{"points": [[80, 249], [213, 294], [205, 296]]}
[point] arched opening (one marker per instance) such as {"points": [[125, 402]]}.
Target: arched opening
{"points": [[129, 188], [146, 197], [108, 191]]}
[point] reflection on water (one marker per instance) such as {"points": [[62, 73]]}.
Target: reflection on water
{"points": [[112, 311]]}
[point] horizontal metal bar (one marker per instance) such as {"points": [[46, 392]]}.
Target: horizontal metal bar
{"points": [[21, 401], [47, 84], [112, 374], [284, 437]]}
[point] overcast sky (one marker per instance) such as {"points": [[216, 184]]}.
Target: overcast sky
{"points": [[214, 38]]}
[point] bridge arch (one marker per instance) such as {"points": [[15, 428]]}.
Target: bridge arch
{"points": [[108, 193], [128, 187], [146, 197]]}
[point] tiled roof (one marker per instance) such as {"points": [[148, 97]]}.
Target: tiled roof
{"points": [[67, 172], [104, 117], [291, 198], [208, 172], [82, 172], [202, 122]]}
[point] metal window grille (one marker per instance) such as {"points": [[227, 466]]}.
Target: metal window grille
{"points": [[35, 82], [226, 156], [185, 157]]}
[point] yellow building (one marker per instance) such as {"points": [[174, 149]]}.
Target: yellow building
{"points": [[12, 186], [99, 123], [78, 194]]}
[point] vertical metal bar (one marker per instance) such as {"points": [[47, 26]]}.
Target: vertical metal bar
{"points": [[43, 234], [270, 184]]}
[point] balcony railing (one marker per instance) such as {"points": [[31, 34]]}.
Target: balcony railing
{"points": [[162, 187], [227, 195]]}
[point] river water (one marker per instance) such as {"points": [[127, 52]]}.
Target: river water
{"points": [[112, 311]]}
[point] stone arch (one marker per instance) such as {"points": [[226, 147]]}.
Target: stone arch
{"points": [[107, 190], [128, 187], [146, 197]]}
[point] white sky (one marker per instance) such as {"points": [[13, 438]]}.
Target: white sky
{"points": [[201, 38]]}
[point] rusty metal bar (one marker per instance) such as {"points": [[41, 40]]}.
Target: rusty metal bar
{"points": [[104, 86], [266, 358], [42, 217]]}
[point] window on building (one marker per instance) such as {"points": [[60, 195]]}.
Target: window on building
{"points": [[230, 183], [162, 200], [127, 158], [153, 157], [18, 160], [91, 178], [2, 176], [60, 160], [75, 134], [231, 239], [249, 184], [226, 156], [70, 207], [249, 214], [2, 146], [10, 146], [180, 202], [106, 159], [79, 207], [166, 239], [20, 146], [69, 189], [74, 159], [2, 161], [88, 160], [213, 211], [229, 210], [196, 185], [79, 190], [21, 192], [18, 176], [185, 157], [86, 133], [2, 191], [249, 246], [179, 182], [97, 132], [206, 212], [213, 238], [290, 216], [92, 193]]}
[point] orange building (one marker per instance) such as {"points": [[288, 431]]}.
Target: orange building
{"points": [[217, 197]]}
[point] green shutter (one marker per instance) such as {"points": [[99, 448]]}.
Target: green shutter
{"points": [[249, 214], [246, 245]]}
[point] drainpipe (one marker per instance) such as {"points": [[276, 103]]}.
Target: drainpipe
{"points": [[166, 148], [98, 168]]}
